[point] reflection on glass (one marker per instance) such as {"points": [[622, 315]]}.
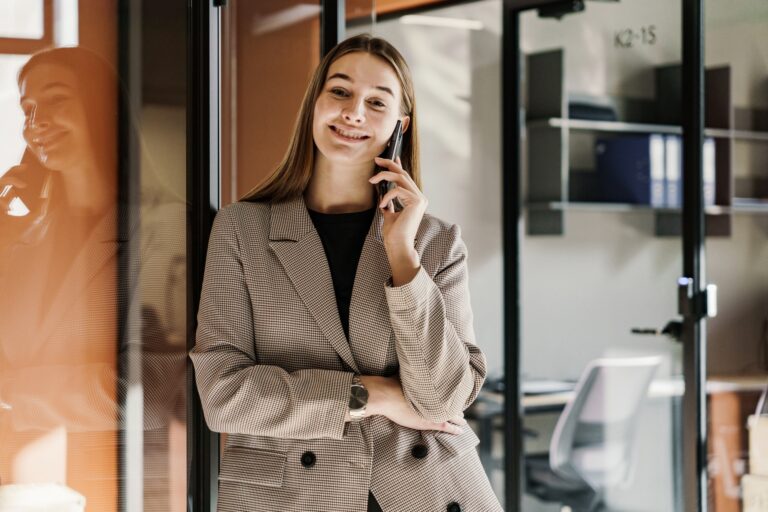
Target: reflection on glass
{"points": [[279, 40], [22, 18], [602, 385], [74, 305], [737, 338]]}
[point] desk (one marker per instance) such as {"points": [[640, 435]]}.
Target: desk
{"points": [[490, 404], [491, 401]]}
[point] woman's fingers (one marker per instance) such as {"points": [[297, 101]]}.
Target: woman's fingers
{"points": [[7, 183], [393, 194], [401, 180], [392, 165], [449, 427], [459, 420]]}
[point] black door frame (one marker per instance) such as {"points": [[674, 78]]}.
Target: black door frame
{"points": [[203, 115], [693, 306]]}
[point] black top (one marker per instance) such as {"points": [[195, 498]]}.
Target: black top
{"points": [[343, 236]]}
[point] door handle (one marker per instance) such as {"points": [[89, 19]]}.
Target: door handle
{"points": [[699, 305], [673, 330]]}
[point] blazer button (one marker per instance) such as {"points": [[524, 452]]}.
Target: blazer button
{"points": [[419, 451], [308, 459], [454, 507]]}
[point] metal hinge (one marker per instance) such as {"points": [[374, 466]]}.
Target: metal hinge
{"points": [[701, 304]]}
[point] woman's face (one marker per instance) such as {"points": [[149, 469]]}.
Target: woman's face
{"points": [[55, 126], [357, 109]]}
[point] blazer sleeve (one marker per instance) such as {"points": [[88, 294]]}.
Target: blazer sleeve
{"points": [[441, 367], [238, 394]]}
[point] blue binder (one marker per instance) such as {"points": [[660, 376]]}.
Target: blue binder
{"points": [[631, 169]]}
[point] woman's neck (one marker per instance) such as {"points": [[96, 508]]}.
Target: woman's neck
{"points": [[337, 188], [91, 191]]}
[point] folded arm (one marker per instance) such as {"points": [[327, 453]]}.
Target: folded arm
{"points": [[441, 367]]}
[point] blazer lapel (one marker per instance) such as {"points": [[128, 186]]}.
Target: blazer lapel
{"points": [[297, 245], [370, 330]]}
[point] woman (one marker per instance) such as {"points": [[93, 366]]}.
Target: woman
{"points": [[67, 292], [287, 348]]}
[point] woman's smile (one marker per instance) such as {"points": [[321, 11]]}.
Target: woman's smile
{"points": [[47, 140], [348, 136]]}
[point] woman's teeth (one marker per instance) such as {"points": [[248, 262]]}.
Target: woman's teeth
{"points": [[350, 135]]}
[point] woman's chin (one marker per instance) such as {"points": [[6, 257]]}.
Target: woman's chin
{"points": [[346, 156]]}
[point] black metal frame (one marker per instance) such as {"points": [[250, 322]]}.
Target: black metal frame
{"points": [[202, 195], [694, 352], [694, 340], [332, 24], [511, 97]]}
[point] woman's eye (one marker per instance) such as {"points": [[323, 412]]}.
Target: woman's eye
{"points": [[58, 99], [378, 104], [338, 92]]}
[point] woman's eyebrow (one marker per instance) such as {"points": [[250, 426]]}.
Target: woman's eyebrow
{"points": [[348, 78]]}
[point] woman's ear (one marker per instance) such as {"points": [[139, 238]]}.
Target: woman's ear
{"points": [[406, 123]]}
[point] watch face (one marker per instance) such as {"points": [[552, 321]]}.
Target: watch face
{"points": [[358, 398]]}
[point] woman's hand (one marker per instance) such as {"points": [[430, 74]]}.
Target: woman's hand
{"points": [[385, 397], [400, 227], [9, 182]]}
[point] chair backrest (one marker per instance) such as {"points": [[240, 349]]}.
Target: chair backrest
{"points": [[593, 437]]}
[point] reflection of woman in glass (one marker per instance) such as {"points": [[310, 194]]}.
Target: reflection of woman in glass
{"points": [[61, 303], [58, 265], [342, 397]]}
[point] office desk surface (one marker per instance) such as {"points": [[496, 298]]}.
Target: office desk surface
{"points": [[492, 402]]}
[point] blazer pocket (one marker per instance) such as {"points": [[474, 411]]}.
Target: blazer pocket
{"points": [[458, 444], [249, 466]]}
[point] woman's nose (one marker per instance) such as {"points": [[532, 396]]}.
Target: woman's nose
{"points": [[37, 119], [355, 113]]}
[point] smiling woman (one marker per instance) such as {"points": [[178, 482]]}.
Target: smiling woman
{"points": [[335, 342]]}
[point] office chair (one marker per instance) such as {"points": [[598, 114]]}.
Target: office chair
{"points": [[591, 447]]}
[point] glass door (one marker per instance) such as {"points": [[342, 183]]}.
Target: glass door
{"points": [[93, 256], [601, 358], [736, 115], [454, 53]]}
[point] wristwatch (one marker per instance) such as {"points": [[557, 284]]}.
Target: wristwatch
{"points": [[358, 399]]}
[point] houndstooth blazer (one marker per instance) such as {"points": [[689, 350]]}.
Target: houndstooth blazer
{"points": [[274, 368]]}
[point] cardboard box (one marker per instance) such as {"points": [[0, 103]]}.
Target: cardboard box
{"points": [[758, 445], [754, 489]]}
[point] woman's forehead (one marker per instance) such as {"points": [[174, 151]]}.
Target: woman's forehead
{"points": [[45, 76], [366, 70]]}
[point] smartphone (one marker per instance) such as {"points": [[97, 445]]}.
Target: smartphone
{"points": [[391, 152]]}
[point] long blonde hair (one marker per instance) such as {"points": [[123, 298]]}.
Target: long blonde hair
{"points": [[292, 175]]}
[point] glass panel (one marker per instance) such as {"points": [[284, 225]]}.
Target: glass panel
{"points": [[601, 255], [454, 54], [736, 55], [93, 328], [12, 118], [269, 51], [21, 19]]}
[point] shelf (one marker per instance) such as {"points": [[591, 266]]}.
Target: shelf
{"points": [[759, 207], [604, 126], [750, 205], [621, 127]]}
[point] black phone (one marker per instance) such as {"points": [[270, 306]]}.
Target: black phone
{"points": [[391, 152]]}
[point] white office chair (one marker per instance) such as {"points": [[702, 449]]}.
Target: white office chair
{"points": [[591, 447]]}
